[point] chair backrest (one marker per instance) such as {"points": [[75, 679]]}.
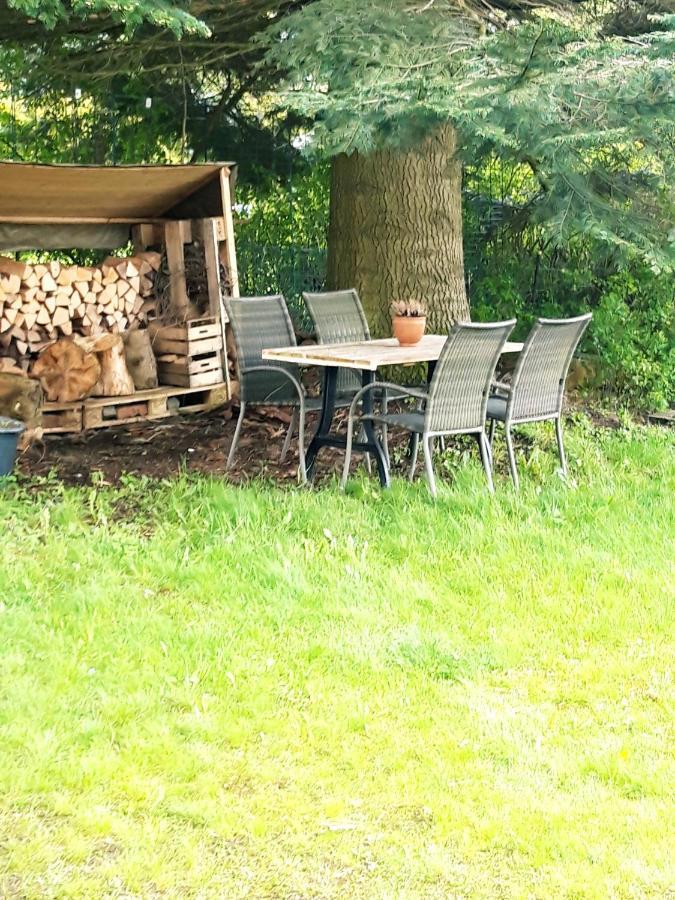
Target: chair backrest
{"points": [[260, 323], [460, 385], [538, 383], [338, 318]]}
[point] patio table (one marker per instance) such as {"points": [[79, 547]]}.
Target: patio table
{"points": [[366, 356]]}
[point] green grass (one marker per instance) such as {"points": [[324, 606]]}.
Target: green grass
{"points": [[210, 691]]}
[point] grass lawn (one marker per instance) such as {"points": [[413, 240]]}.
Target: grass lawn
{"points": [[212, 691]]}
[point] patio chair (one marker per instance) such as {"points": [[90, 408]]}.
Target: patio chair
{"points": [[259, 323], [537, 389], [339, 318], [455, 401]]}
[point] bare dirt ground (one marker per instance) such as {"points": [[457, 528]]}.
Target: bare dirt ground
{"points": [[198, 443], [164, 448]]}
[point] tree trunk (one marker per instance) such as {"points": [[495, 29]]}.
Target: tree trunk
{"points": [[396, 231]]}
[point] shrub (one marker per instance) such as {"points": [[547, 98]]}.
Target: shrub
{"points": [[633, 335]]}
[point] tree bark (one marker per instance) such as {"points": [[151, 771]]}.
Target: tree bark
{"points": [[395, 231]]}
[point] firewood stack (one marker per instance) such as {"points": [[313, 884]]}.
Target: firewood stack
{"points": [[42, 302]]}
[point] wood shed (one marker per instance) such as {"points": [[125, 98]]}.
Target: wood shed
{"points": [[76, 326]]}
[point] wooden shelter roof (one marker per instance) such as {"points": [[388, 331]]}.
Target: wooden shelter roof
{"points": [[53, 194]]}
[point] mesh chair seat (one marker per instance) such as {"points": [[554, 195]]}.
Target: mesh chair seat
{"points": [[311, 404], [496, 408], [410, 421]]}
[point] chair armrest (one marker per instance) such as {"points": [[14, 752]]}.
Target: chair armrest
{"points": [[279, 371], [420, 393], [384, 385], [500, 387]]}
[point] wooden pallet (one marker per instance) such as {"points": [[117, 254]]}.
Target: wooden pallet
{"points": [[105, 412], [58, 418]]}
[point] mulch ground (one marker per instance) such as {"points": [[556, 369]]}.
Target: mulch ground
{"points": [[198, 443], [165, 448]]}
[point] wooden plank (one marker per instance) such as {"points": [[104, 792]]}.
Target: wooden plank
{"points": [[667, 417], [173, 240], [71, 417], [229, 254], [204, 399], [58, 418], [214, 376], [152, 394], [188, 366], [192, 330], [187, 348], [80, 220], [368, 354], [210, 240]]}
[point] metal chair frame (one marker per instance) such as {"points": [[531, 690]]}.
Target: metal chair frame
{"points": [[275, 307], [436, 406], [539, 383]]}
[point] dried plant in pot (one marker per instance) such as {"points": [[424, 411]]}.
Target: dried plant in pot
{"points": [[409, 319]]}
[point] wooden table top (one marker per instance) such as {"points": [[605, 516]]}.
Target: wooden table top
{"points": [[369, 354]]}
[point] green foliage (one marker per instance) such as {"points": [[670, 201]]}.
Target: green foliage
{"points": [[631, 341], [285, 213], [45, 123], [591, 114], [131, 13], [515, 269], [281, 237], [634, 337], [212, 691]]}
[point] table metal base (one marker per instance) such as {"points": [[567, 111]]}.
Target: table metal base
{"points": [[324, 438]]}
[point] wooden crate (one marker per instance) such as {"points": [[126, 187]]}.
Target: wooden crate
{"points": [[190, 339], [189, 355]]}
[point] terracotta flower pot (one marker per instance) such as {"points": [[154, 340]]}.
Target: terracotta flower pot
{"points": [[409, 330]]}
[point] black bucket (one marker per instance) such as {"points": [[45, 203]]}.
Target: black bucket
{"points": [[10, 430]]}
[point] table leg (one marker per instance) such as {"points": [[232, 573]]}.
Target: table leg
{"points": [[325, 420], [374, 445]]}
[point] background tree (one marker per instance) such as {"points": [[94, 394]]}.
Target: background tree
{"points": [[96, 74], [401, 92], [575, 97]]}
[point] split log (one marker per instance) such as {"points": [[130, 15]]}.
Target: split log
{"points": [[20, 397], [67, 275], [67, 372], [48, 299], [13, 267], [10, 283], [152, 257], [47, 282], [114, 380], [8, 365]]}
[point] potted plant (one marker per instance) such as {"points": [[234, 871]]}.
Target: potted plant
{"points": [[409, 319], [10, 429]]}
